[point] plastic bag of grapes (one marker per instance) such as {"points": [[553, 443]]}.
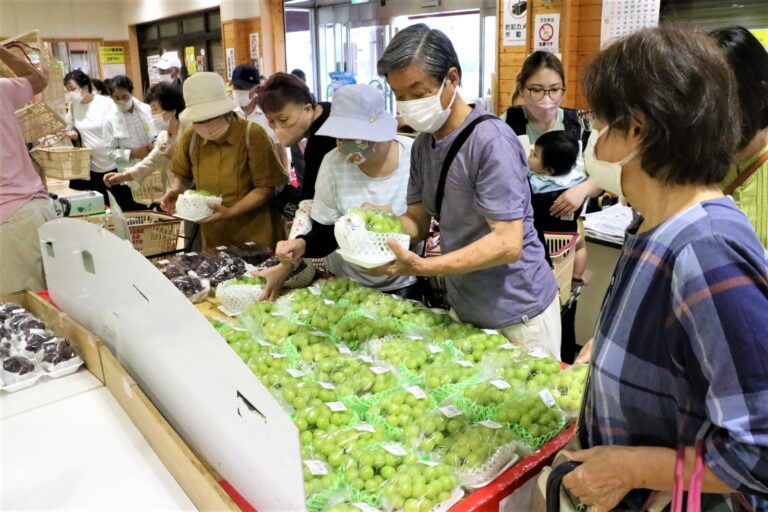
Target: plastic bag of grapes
{"points": [[272, 367], [422, 486], [444, 379], [297, 392], [362, 236], [335, 446], [534, 371], [327, 315], [452, 331], [312, 347], [534, 419], [368, 467], [429, 431], [358, 327], [302, 302], [480, 453], [475, 346], [401, 408], [321, 482], [568, 389], [335, 289], [320, 417], [480, 400], [409, 354]]}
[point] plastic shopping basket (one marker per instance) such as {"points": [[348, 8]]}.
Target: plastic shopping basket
{"points": [[562, 250]]}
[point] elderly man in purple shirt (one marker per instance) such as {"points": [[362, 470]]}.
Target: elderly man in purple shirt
{"points": [[493, 262]]}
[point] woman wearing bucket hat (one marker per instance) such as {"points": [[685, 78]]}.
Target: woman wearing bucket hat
{"points": [[228, 157], [370, 164]]}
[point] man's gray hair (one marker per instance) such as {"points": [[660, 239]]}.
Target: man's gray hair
{"points": [[430, 48]]}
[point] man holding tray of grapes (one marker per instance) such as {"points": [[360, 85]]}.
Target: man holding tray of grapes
{"points": [[469, 171]]}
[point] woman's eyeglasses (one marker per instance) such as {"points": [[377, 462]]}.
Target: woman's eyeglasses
{"points": [[538, 93]]}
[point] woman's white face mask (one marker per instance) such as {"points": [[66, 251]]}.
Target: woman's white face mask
{"points": [[426, 114], [607, 175]]}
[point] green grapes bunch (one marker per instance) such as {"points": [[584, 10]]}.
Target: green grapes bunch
{"points": [[303, 302], [490, 393], [428, 432], [475, 346], [426, 318], [387, 306], [377, 220], [279, 328], [313, 348], [335, 446], [448, 372], [568, 388], [270, 367], [361, 294], [453, 331], [532, 414], [420, 486], [535, 373], [326, 316], [403, 407], [475, 445], [412, 354], [319, 418], [368, 467], [300, 392], [334, 289], [339, 367], [368, 380]]}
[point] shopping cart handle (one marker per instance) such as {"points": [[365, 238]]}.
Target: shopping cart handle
{"points": [[66, 205], [555, 480]]}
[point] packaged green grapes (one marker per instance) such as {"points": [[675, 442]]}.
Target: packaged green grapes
{"points": [[401, 408], [534, 419], [313, 347], [359, 327], [376, 220], [534, 371], [568, 389], [480, 400], [335, 289], [321, 481], [452, 331], [298, 392], [335, 446], [429, 431], [319, 417], [475, 346], [326, 316], [409, 352], [368, 467], [271, 367], [446, 378], [422, 486], [302, 302], [480, 452]]}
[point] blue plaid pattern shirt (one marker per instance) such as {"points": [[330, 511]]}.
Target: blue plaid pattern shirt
{"points": [[681, 349]]}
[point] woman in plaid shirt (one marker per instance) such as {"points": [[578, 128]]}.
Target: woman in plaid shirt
{"points": [[681, 349]]}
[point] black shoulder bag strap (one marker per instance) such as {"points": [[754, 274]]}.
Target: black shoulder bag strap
{"points": [[452, 152]]}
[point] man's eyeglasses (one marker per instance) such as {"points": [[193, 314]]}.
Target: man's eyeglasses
{"points": [[537, 93]]}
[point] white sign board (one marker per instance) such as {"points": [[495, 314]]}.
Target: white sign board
{"points": [[515, 22], [230, 62], [200, 385], [254, 45], [546, 34], [623, 17]]}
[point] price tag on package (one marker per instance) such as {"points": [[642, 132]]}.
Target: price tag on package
{"points": [[547, 398], [538, 353], [465, 363], [378, 370], [490, 331], [314, 291], [295, 373], [417, 392], [415, 337], [316, 467], [506, 346], [500, 384], [328, 302], [278, 356], [429, 463], [365, 427], [327, 385], [491, 424], [395, 449], [343, 348], [450, 411], [263, 343], [434, 349], [336, 406], [366, 359]]}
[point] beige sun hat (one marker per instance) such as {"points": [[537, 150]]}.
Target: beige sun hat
{"points": [[206, 97]]}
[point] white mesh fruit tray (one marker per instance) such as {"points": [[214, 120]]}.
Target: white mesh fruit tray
{"points": [[365, 248], [195, 207], [234, 298]]}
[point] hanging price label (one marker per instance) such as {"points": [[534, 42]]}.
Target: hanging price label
{"points": [[295, 373], [395, 449], [343, 348], [327, 385], [429, 463], [417, 392], [464, 363], [415, 337], [450, 411], [538, 353], [507, 346], [547, 398], [316, 467], [365, 359], [490, 424], [336, 406], [278, 356], [500, 384], [378, 370], [263, 343], [490, 331], [314, 291], [364, 507], [434, 349], [365, 427], [328, 302]]}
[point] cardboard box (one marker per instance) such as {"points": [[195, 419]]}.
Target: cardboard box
{"points": [[193, 475]]}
